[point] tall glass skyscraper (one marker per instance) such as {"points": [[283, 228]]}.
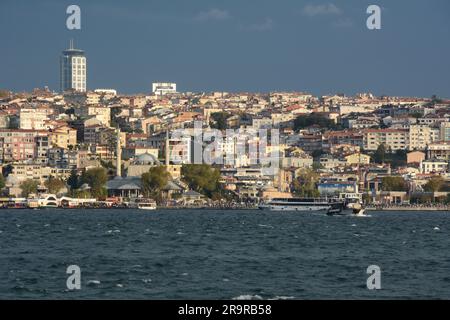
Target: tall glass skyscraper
{"points": [[73, 70]]}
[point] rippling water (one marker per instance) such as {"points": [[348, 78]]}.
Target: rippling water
{"points": [[212, 254]]}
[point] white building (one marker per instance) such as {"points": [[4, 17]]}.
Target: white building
{"points": [[420, 136], [163, 88], [445, 131], [433, 166], [108, 92], [395, 139], [73, 70], [34, 119]]}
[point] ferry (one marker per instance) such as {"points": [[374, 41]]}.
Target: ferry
{"points": [[343, 205], [147, 204]]}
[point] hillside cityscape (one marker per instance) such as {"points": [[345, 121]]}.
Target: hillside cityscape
{"points": [[80, 147]]}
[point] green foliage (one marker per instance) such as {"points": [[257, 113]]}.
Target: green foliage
{"points": [[367, 198], [380, 155], [81, 194], [73, 181], [316, 154], [154, 181], [202, 178], [416, 114], [435, 184], [96, 179], [395, 159], [317, 166], [2, 181], [394, 184], [220, 119], [29, 186], [305, 121], [4, 93], [305, 185], [8, 169], [54, 185], [422, 198]]}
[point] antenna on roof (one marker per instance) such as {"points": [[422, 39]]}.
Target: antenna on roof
{"points": [[71, 44]]}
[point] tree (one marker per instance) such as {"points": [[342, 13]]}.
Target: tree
{"points": [[54, 185], [81, 194], [305, 185], [305, 121], [417, 114], [316, 154], [73, 180], [220, 119], [8, 169], [202, 178], [317, 166], [394, 184], [4, 93], [29, 186], [154, 181], [435, 184], [2, 181], [96, 179], [380, 155]]}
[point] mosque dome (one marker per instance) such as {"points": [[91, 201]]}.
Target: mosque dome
{"points": [[146, 159]]}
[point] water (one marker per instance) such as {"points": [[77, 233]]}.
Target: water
{"points": [[212, 254]]}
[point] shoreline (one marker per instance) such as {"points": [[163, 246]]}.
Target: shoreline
{"points": [[380, 209], [408, 209]]}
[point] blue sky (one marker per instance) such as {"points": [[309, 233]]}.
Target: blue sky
{"points": [[236, 45]]}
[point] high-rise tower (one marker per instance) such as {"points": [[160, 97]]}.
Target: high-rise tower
{"points": [[73, 69]]}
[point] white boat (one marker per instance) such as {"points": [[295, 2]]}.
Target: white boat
{"points": [[329, 206], [147, 205]]}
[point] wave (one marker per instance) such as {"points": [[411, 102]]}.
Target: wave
{"points": [[282, 298], [248, 297], [265, 226], [93, 282]]}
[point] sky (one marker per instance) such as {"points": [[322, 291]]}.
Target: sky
{"points": [[321, 47]]}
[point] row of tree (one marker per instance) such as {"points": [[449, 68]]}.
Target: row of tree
{"points": [[394, 183], [202, 178], [95, 178]]}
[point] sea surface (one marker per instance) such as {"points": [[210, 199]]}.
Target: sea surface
{"points": [[222, 254]]}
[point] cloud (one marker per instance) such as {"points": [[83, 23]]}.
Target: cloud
{"points": [[321, 9], [213, 14], [263, 26]]}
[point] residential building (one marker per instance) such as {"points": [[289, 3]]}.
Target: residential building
{"points": [[420, 136], [434, 166], [394, 139]]}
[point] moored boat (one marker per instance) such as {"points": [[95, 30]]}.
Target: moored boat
{"points": [[146, 204]]}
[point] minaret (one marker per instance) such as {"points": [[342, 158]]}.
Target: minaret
{"points": [[118, 155]]}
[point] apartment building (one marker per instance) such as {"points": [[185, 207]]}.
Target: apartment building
{"points": [[395, 139], [34, 118], [63, 137], [433, 166], [40, 173], [420, 136], [18, 144]]}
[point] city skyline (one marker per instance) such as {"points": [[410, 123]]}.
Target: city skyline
{"points": [[319, 48]]}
